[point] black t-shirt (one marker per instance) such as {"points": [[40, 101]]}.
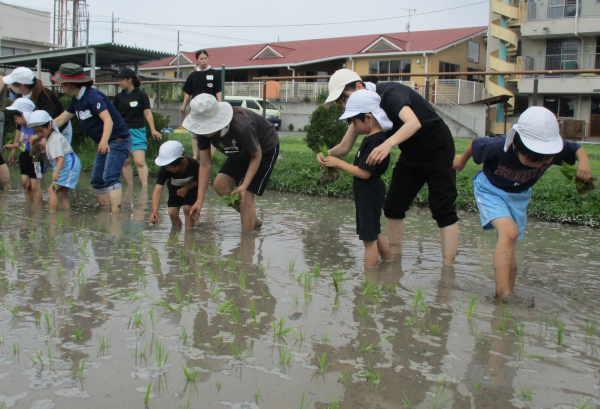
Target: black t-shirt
{"points": [[131, 107], [178, 180], [366, 147], [247, 131], [51, 105], [203, 82], [505, 171]]}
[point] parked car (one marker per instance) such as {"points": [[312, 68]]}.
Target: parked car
{"points": [[255, 104]]}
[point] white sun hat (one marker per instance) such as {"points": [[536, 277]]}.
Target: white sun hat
{"points": [[207, 115], [169, 152], [538, 129], [338, 82], [20, 75], [367, 102], [24, 105], [39, 118]]}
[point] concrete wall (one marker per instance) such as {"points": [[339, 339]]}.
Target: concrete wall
{"points": [[24, 28], [296, 113], [458, 130]]}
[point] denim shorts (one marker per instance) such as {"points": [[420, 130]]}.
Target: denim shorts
{"points": [[494, 203], [107, 167]]}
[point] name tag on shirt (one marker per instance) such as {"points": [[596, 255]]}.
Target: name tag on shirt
{"points": [[133, 104], [84, 114], [210, 77]]}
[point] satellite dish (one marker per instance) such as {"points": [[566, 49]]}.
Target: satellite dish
{"points": [[407, 26]]}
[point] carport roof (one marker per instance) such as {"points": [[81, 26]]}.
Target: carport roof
{"points": [[106, 55]]}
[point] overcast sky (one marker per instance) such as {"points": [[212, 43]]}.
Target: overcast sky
{"points": [[311, 17]]}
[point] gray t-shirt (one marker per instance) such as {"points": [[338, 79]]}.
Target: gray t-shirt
{"points": [[247, 131]]}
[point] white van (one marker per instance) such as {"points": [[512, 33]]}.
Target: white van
{"points": [[255, 105]]}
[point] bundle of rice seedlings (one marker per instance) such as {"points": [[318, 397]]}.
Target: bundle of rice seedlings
{"points": [[232, 200], [329, 175], [570, 173]]}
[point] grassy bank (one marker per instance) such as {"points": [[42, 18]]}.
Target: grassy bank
{"points": [[297, 171]]}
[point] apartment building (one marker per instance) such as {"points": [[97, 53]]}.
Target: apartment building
{"points": [[546, 35], [23, 30]]}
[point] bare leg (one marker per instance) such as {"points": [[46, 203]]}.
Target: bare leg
{"points": [[371, 253], [139, 158], [504, 255], [395, 228], [194, 147], [5, 177], [115, 200], [189, 222], [127, 172], [449, 243], [174, 215], [248, 213], [383, 248], [36, 190], [103, 199], [27, 188], [62, 195], [223, 185], [513, 271], [53, 199]]}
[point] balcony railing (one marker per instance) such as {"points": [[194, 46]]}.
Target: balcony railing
{"points": [[562, 62], [549, 10]]}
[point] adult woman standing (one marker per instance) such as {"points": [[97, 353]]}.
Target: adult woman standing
{"points": [[103, 124], [251, 145], [134, 105]]}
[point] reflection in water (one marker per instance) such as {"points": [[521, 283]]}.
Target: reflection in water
{"points": [[97, 301]]}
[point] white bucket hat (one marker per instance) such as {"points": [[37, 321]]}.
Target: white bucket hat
{"points": [[39, 118], [538, 129], [367, 102], [24, 105], [169, 152], [19, 75], [207, 115], [338, 82]]}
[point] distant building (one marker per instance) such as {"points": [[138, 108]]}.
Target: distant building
{"points": [[23, 30], [547, 35]]}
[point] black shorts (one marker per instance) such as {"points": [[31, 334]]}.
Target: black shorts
{"points": [[369, 195], [35, 170], [236, 167], [177, 201]]}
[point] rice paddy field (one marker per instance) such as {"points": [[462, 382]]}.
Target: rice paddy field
{"points": [[101, 310]]}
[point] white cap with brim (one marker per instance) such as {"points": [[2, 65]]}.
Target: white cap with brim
{"points": [[39, 118], [538, 130], [207, 115], [169, 152], [24, 105], [338, 82], [367, 102], [20, 75]]}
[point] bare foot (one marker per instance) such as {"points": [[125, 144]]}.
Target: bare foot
{"points": [[258, 223]]}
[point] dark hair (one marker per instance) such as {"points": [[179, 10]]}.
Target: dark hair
{"points": [[352, 86], [37, 88], [176, 162], [81, 84], [201, 52], [528, 153], [135, 80], [361, 117], [370, 78]]}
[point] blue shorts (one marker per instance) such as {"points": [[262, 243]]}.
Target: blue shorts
{"points": [[494, 203], [138, 139], [69, 174]]}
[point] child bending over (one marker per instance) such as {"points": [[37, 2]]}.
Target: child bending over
{"points": [[363, 111], [512, 164]]}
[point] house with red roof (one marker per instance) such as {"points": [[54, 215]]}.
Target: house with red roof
{"points": [[448, 50]]}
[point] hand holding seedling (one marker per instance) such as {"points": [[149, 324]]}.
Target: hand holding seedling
{"points": [[153, 217], [195, 210], [583, 171], [182, 191], [331, 162], [241, 190]]}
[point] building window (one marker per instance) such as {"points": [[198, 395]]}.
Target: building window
{"points": [[390, 67], [309, 73], [561, 8], [521, 104], [473, 77], [183, 74], [383, 46], [473, 52], [158, 74], [561, 54], [268, 72], [269, 54], [7, 51], [562, 107], [448, 67]]}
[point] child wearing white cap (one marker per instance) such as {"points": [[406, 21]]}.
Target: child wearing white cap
{"points": [[512, 164], [180, 173], [363, 111], [66, 164], [31, 172]]}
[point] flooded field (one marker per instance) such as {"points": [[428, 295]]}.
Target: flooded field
{"points": [[110, 311]]}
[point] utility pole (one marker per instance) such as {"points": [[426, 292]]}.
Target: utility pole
{"points": [[409, 11], [178, 54], [113, 30]]}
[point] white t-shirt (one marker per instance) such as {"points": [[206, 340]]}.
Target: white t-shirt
{"points": [[57, 146]]}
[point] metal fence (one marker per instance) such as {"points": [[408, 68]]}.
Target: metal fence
{"points": [[562, 62], [558, 9], [455, 111], [460, 91]]}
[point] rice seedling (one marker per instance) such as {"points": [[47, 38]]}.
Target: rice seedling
{"points": [[279, 328], [265, 293], [177, 294], [325, 337], [217, 343], [302, 405], [473, 304], [406, 401], [583, 404], [72, 303], [80, 268], [48, 322], [237, 351], [184, 336], [385, 339], [291, 265], [256, 393], [218, 385], [138, 319], [317, 269], [255, 318], [505, 315], [226, 307], [322, 361], [13, 309], [153, 320], [372, 376], [435, 329], [334, 403], [338, 279], [162, 355], [294, 298], [49, 349], [570, 172], [307, 282], [242, 280], [104, 343], [285, 355], [235, 314], [407, 322], [362, 308], [439, 400], [591, 325], [78, 333], [155, 259], [147, 394], [191, 374], [477, 385], [16, 349], [368, 346], [519, 329], [211, 275], [215, 291], [526, 394], [220, 263], [231, 261], [560, 330], [300, 335], [419, 303], [38, 319]]}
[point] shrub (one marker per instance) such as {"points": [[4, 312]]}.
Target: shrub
{"points": [[324, 127], [306, 98], [291, 127], [160, 122], [322, 96]]}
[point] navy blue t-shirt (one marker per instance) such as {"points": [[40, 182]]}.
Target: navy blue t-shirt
{"points": [[366, 147], [504, 169], [87, 109]]}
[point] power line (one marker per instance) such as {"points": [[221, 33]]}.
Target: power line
{"points": [[300, 25], [23, 9]]}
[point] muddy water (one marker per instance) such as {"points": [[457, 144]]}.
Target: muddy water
{"points": [[96, 309]]}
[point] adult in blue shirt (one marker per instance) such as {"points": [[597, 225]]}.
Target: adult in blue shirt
{"points": [[103, 124]]}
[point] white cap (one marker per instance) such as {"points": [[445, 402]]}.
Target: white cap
{"points": [[24, 105], [367, 102], [338, 82], [168, 152], [538, 129], [20, 75]]}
